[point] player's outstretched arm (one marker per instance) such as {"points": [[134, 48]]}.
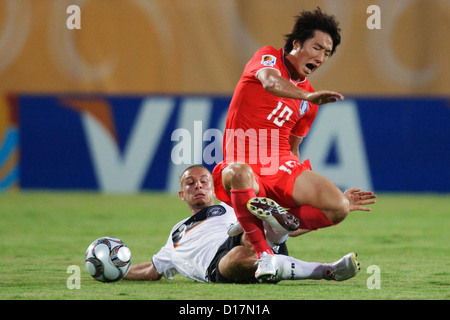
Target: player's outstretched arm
{"points": [[275, 84], [143, 271], [324, 96]]}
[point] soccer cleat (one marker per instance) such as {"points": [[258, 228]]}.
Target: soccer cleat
{"points": [[276, 216], [267, 270], [345, 268], [235, 229]]}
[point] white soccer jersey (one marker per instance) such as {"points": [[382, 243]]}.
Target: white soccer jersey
{"points": [[194, 242]]}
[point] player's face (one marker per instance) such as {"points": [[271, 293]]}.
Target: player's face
{"points": [[309, 56], [197, 188]]}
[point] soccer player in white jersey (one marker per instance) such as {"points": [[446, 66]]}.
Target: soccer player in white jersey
{"points": [[199, 247]]}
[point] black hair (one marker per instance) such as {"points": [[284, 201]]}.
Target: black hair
{"points": [[307, 22]]}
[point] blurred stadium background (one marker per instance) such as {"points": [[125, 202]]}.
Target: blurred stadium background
{"points": [[98, 108]]}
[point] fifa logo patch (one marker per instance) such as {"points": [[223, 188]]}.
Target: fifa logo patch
{"points": [[268, 60]]}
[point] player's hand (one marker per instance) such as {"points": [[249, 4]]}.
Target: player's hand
{"points": [[322, 97], [358, 198]]}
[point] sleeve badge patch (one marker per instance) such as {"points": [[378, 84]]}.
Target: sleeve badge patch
{"points": [[303, 107], [268, 60]]}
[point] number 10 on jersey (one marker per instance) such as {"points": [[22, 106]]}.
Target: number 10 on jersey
{"points": [[283, 115]]}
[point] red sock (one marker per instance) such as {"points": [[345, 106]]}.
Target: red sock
{"points": [[311, 218], [253, 227]]}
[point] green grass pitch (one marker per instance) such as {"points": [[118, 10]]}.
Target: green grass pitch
{"points": [[43, 233]]}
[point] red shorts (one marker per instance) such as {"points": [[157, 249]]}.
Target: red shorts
{"points": [[278, 186]]}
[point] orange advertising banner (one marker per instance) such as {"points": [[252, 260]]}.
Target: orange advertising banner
{"points": [[388, 47]]}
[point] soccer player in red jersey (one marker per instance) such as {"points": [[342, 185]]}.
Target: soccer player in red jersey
{"points": [[271, 111]]}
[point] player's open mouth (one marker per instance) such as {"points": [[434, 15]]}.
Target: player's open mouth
{"points": [[310, 66]]}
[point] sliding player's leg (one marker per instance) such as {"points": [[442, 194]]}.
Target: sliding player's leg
{"points": [[290, 268]]}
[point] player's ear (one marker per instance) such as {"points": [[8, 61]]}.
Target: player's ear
{"points": [[296, 44], [181, 195]]}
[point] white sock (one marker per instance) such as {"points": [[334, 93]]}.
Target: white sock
{"points": [[294, 269], [275, 237]]}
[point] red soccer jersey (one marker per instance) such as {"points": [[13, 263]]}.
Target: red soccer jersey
{"points": [[258, 123]]}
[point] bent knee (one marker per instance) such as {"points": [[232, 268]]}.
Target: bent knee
{"points": [[237, 176], [238, 264], [340, 212]]}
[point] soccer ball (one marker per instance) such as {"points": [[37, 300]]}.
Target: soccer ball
{"points": [[108, 259]]}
